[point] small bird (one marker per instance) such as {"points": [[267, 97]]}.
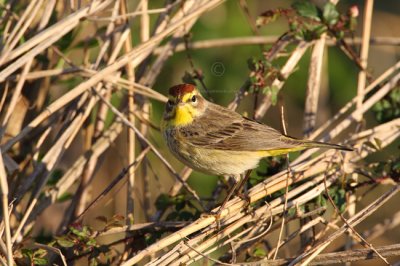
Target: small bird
{"points": [[216, 140]]}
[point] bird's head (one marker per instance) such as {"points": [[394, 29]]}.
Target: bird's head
{"points": [[185, 103]]}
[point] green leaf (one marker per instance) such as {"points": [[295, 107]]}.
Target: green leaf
{"points": [[27, 252], [396, 167], [64, 43], [273, 91], [84, 233], [259, 253], [40, 261], [65, 243], [40, 252], [93, 262], [321, 200], [172, 216], [319, 30], [252, 64], [162, 202], [307, 10], [330, 14], [55, 176], [180, 205], [64, 197], [186, 216], [91, 242]]}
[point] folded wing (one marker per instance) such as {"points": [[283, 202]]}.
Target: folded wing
{"points": [[227, 130]]}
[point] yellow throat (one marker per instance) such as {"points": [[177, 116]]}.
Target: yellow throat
{"points": [[184, 112]]}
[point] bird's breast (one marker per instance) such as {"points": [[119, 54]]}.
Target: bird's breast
{"points": [[210, 161]]}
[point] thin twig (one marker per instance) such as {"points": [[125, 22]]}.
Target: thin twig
{"points": [[341, 256], [350, 226], [356, 219], [113, 183], [286, 188], [257, 40]]}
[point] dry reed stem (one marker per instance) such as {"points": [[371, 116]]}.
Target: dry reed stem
{"points": [[46, 73], [22, 78], [285, 71], [362, 76], [20, 28], [75, 171], [288, 170], [275, 207], [345, 123], [310, 224], [169, 48], [311, 107], [5, 214], [361, 84], [143, 226], [356, 219], [130, 204], [114, 182], [81, 197], [390, 71], [15, 96], [46, 38], [144, 103], [202, 223], [351, 228], [343, 256], [257, 40], [131, 15], [380, 228], [313, 86], [134, 57], [50, 160], [256, 193]]}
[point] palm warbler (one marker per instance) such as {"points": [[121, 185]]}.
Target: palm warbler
{"points": [[213, 139]]}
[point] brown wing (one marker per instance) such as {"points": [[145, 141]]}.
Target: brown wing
{"points": [[227, 130]]}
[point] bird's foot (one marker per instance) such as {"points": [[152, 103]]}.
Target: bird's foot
{"points": [[217, 216], [244, 197]]}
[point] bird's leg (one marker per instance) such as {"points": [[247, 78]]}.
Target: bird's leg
{"points": [[227, 198], [236, 187], [242, 183], [218, 212]]}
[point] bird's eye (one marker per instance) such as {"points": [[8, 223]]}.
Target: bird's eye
{"points": [[194, 98], [170, 103]]}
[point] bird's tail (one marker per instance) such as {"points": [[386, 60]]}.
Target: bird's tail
{"points": [[317, 144]]}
